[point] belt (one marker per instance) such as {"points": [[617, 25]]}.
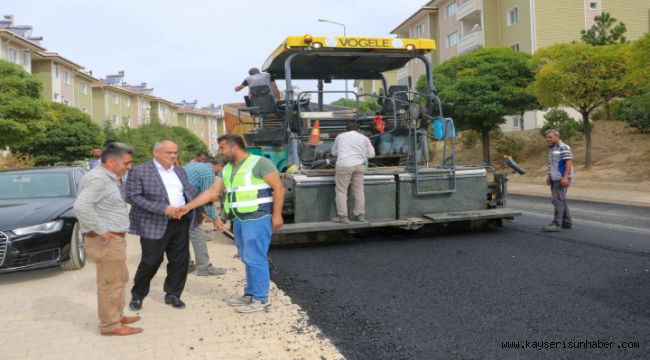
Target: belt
{"points": [[93, 234]]}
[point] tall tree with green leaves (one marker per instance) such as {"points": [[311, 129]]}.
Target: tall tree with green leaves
{"points": [[142, 139], [481, 87], [582, 77], [23, 114], [605, 31], [69, 137]]}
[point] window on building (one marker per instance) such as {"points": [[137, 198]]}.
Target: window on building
{"points": [[127, 101], [115, 100], [452, 39], [515, 46], [67, 102], [419, 31], [55, 96], [594, 5], [13, 55], [56, 71], [84, 110], [513, 16], [66, 77], [84, 88], [516, 121], [450, 10], [116, 120], [26, 58]]}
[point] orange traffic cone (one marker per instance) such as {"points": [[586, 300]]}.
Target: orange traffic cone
{"points": [[314, 137]]}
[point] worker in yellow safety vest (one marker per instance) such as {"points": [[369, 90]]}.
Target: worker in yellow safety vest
{"points": [[253, 201]]}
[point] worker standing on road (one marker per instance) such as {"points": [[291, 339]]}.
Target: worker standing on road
{"points": [[201, 177], [104, 221], [257, 78], [352, 151], [560, 171], [253, 200]]}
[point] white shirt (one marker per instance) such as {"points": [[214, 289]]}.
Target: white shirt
{"points": [[351, 149], [173, 185]]}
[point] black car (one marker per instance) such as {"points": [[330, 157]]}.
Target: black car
{"points": [[37, 225]]}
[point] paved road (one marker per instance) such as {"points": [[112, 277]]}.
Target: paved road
{"points": [[463, 295]]}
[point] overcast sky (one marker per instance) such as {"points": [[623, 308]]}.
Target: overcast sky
{"points": [[193, 49]]}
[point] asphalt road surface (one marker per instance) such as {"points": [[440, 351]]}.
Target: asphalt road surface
{"points": [[583, 293]]}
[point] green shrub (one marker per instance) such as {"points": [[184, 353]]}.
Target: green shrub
{"points": [[597, 115], [635, 111], [561, 121], [470, 138], [510, 146]]}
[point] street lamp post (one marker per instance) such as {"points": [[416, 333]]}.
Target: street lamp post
{"points": [[344, 35]]}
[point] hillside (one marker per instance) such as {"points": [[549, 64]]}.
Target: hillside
{"points": [[620, 154]]}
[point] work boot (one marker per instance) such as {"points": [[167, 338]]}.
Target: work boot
{"points": [[552, 227]]}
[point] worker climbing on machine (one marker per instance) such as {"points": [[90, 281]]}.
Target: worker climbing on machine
{"points": [[257, 78], [352, 150]]}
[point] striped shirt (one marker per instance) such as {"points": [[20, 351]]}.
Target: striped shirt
{"points": [[557, 156], [351, 149], [201, 177], [100, 206]]}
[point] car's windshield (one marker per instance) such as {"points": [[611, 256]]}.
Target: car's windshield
{"points": [[34, 185]]}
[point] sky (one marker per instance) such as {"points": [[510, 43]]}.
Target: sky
{"points": [[194, 49]]}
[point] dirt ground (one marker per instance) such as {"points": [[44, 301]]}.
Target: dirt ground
{"points": [[619, 154]]}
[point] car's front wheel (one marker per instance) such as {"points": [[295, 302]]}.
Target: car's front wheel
{"points": [[77, 258]]}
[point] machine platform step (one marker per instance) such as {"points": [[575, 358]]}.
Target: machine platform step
{"points": [[498, 213]]}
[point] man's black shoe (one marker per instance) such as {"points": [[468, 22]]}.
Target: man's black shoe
{"points": [[135, 304], [568, 226], [174, 301]]}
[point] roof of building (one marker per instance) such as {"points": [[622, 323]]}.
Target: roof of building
{"points": [[427, 7], [49, 55], [34, 46]]}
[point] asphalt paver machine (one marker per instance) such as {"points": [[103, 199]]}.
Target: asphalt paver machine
{"points": [[414, 180]]}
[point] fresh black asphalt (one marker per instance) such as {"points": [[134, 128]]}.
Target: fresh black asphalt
{"points": [[465, 294]]}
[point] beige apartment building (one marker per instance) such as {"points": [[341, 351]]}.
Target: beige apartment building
{"points": [[461, 26], [112, 105], [17, 50], [83, 93], [197, 121], [57, 75], [165, 111]]}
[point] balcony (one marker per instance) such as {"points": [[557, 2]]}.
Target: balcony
{"points": [[470, 42], [469, 7]]}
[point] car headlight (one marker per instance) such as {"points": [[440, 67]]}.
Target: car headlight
{"points": [[46, 228]]}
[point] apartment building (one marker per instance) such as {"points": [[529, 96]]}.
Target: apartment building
{"points": [[421, 24], [523, 25], [15, 48], [215, 126], [197, 121], [83, 93], [57, 75], [165, 111], [112, 105]]}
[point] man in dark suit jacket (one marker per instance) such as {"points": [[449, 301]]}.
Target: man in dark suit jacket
{"points": [[154, 190]]}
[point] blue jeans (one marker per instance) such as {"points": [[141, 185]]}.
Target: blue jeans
{"points": [[253, 238]]}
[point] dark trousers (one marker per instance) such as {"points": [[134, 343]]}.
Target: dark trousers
{"points": [[175, 244], [562, 216]]}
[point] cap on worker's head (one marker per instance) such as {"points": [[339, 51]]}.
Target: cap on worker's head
{"points": [[253, 71], [352, 126]]}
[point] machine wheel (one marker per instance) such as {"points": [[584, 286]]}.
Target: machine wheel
{"points": [[77, 258]]}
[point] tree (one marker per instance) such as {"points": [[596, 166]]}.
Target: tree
{"points": [[582, 77], [142, 139], [23, 114], [605, 31], [479, 88], [365, 106], [70, 136]]}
